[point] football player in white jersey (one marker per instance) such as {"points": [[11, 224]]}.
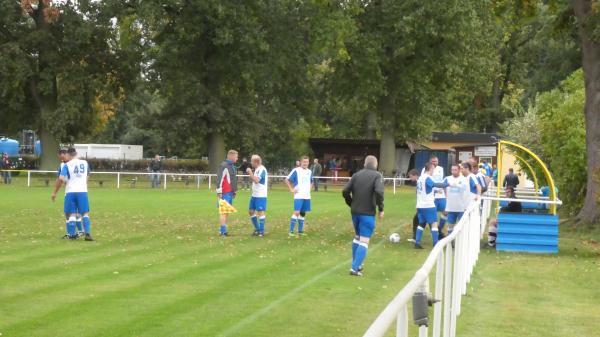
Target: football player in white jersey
{"points": [[75, 174], [426, 209], [455, 197], [299, 181], [438, 193], [258, 200], [64, 157], [473, 186]]}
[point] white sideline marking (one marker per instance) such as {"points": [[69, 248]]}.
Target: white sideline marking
{"points": [[251, 318]]}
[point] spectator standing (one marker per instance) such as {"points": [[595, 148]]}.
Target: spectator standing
{"points": [[495, 175], [5, 166], [511, 179], [156, 168], [316, 170], [243, 168]]}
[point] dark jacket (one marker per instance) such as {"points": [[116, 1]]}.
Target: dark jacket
{"points": [[316, 169], [156, 165], [511, 179], [512, 207], [226, 177], [364, 192], [244, 167]]}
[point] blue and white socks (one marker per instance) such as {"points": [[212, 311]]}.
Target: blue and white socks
{"points": [[293, 223], [87, 224], [71, 227], [355, 243], [254, 220], [78, 224], [261, 224], [435, 234], [360, 255], [223, 229], [300, 224], [419, 235]]}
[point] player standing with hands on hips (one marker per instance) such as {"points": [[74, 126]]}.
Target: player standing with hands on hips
{"points": [[299, 181], [363, 193], [258, 200]]}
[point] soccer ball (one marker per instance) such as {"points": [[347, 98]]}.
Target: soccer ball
{"points": [[395, 238]]}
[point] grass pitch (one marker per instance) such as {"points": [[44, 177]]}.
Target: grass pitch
{"points": [[158, 268]]}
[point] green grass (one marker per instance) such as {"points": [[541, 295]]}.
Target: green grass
{"points": [[159, 269]]}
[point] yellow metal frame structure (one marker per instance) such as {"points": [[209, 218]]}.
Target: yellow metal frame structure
{"points": [[535, 180], [547, 174]]}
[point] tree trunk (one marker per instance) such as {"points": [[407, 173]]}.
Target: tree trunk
{"points": [[590, 213], [48, 157], [216, 150], [371, 124], [387, 147]]}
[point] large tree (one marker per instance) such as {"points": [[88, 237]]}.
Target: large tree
{"points": [[588, 17], [413, 62], [58, 68], [237, 72]]}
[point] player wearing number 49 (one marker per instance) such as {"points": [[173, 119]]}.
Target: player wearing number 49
{"points": [[258, 200], [75, 174], [299, 181]]}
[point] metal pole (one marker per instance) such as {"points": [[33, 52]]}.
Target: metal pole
{"points": [[118, 180], [439, 283], [402, 323], [447, 290], [198, 180], [394, 179], [209, 181], [165, 184], [28, 178]]}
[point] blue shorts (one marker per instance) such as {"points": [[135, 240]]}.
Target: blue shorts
{"points": [[302, 205], [258, 204], [364, 225], [440, 204], [76, 202], [427, 215], [454, 217], [227, 197]]}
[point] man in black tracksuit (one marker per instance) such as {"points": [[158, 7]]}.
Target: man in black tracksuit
{"points": [[363, 193]]}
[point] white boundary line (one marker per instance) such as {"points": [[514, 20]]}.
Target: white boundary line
{"points": [[265, 310]]}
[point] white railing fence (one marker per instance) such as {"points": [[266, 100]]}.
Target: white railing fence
{"points": [[166, 180], [454, 258]]}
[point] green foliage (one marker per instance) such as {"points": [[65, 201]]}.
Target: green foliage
{"points": [[56, 62], [553, 126]]}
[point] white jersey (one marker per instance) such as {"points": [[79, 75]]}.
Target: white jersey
{"points": [[302, 180], [425, 197], [472, 188], [75, 172], [438, 177], [62, 164], [259, 189], [456, 196]]}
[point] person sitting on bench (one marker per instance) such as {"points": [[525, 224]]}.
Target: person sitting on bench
{"points": [[512, 207]]}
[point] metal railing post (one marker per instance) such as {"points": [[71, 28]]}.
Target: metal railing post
{"points": [[394, 185], [447, 290], [28, 178], [209, 181], [439, 288], [118, 179], [402, 323], [165, 184]]}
